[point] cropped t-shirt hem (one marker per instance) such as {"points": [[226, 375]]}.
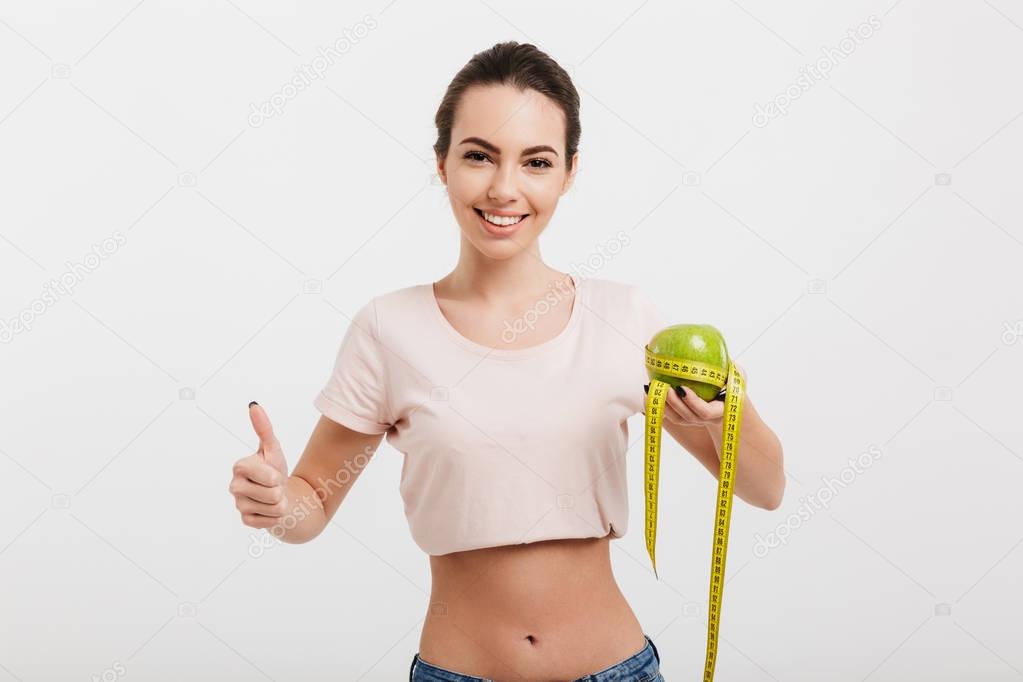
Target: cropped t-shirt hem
{"points": [[612, 533], [345, 417]]}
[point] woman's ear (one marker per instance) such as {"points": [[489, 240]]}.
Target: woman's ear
{"points": [[441, 171], [570, 176]]}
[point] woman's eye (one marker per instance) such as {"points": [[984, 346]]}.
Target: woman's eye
{"points": [[480, 157]]}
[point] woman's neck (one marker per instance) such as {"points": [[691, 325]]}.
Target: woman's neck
{"points": [[524, 276]]}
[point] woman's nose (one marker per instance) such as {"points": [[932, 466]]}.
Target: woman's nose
{"points": [[502, 185]]}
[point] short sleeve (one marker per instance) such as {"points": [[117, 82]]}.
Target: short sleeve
{"points": [[355, 393]]}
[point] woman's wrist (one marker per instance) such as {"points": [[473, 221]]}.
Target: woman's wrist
{"points": [[304, 517]]}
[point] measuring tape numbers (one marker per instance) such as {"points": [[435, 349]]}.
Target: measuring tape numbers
{"points": [[731, 421]]}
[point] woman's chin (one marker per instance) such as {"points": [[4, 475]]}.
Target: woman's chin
{"points": [[498, 249]]}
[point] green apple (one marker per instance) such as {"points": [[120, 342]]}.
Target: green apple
{"points": [[693, 342]]}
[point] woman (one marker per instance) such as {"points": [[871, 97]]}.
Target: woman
{"points": [[509, 403]]}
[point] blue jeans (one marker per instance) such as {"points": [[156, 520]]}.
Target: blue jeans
{"points": [[641, 667]]}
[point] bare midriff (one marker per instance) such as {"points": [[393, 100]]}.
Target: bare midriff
{"points": [[546, 610]]}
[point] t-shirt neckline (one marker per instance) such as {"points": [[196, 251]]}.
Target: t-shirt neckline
{"points": [[509, 353]]}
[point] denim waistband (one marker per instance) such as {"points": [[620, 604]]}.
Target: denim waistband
{"points": [[642, 665]]}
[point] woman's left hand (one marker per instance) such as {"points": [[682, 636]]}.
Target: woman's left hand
{"points": [[694, 410]]}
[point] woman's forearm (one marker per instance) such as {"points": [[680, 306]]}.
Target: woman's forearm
{"points": [[760, 473]]}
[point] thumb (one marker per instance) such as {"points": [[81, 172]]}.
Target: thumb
{"points": [[261, 424]]}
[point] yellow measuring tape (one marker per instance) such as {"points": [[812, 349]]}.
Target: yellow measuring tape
{"points": [[731, 421]]}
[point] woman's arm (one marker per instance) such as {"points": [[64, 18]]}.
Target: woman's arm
{"points": [[696, 425], [327, 470], [760, 472]]}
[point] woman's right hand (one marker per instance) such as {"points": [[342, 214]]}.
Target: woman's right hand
{"points": [[260, 480]]}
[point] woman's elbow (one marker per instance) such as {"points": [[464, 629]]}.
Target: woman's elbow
{"points": [[774, 493], [769, 501], [773, 503]]}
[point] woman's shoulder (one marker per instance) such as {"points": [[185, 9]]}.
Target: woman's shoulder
{"points": [[613, 293], [398, 296], [393, 306], [625, 306]]}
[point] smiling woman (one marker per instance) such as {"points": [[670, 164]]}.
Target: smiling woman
{"points": [[513, 485], [508, 134], [520, 592]]}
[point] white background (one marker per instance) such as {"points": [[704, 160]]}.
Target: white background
{"points": [[861, 254]]}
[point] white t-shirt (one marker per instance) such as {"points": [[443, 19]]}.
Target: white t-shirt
{"points": [[501, 446]]}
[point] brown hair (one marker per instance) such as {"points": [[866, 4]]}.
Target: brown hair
{"points": [[520, 65]]}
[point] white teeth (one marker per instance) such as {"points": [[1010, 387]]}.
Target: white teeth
{"points": [[503, 221]]}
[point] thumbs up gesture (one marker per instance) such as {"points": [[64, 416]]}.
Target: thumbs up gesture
{"points": [[259, 485]]}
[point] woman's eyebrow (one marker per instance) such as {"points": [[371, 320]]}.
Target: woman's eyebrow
{"points": [[525, 152]]}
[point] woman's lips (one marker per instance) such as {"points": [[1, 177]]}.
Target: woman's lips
{"points": [[498, 230]]}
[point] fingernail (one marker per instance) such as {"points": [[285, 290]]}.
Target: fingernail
{"points": [[253, 403], [680, 392], [646, 388]]}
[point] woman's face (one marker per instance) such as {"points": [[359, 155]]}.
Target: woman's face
{"points": [[507, 160]]}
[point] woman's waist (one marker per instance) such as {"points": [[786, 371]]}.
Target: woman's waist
{"points": [[525, 577], [498, 650], [543, 608]]}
